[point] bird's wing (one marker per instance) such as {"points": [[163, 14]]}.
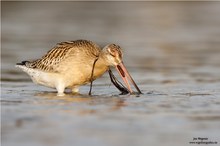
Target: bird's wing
{"points": [[63, 51]]}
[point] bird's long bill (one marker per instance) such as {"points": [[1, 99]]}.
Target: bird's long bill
{"points": [[125, 76]]}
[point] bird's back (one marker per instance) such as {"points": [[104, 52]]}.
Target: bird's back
{"points": [[63, 53]]}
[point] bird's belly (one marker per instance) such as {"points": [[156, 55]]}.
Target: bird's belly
{"points": [[46, 79], [82, 76], [70, 77], [76, 78], [42, 78]]}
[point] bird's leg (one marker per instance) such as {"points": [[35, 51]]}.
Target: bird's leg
{"points": [[75, 90], [60, 90]]}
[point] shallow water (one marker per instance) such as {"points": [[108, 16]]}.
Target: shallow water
{"points": [[170, 48]]}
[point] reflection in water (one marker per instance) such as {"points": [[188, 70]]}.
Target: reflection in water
{"points": [[83, 104], [68, 100], [67, 97], [119, 104]]}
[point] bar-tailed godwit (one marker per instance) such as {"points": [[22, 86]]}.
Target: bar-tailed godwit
{"points": [[75, 63]]}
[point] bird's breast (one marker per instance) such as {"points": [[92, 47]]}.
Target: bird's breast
{"points": [[99, 71]]}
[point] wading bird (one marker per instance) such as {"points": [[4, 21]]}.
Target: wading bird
{"points": [[75, 63]]}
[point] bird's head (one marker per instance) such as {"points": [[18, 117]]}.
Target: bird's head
{"points": [[113, 54], [113, 57]]}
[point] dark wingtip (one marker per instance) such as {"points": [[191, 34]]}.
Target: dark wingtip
{"points": [[22, 63]]}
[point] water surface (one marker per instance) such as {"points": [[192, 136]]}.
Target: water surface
{"points": [[170, 48]]}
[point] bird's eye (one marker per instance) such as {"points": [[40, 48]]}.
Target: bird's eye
{"points": [[113, 55], [111, 52]]}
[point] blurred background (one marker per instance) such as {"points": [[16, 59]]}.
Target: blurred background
{"points": [[152, 34], [170, 48]]}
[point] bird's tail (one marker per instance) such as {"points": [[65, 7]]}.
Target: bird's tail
{"points": [[25, 66], [23, 63]]}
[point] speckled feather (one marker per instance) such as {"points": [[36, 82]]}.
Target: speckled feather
{"points": [[61, 52]]}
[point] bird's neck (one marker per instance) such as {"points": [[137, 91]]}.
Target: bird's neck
{"points": [[102, 60], [100, 66]]}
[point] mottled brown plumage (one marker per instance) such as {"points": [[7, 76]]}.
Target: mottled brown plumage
{"points": [[62, 52], [69, 64]]}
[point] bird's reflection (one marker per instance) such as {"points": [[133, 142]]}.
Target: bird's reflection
{"points": [[69, 97], [83, 104]]}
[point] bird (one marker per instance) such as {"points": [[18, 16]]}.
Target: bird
{"points": [[70, 64]]}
